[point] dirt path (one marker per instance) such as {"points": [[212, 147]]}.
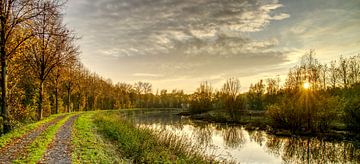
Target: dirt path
{"points": [[59, 151], [17, 148]]}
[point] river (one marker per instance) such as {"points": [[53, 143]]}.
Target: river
{"points": [[236, 144]]}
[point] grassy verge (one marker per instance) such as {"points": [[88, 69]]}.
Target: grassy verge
{"points": [[89, 147], [5, 139], [142, 145], [40, 144]]}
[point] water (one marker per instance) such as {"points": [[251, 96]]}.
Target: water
{"points": [[234, 143]]}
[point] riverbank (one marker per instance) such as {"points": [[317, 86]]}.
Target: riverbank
{"points": [[233, 142], [140, 145], [257, 120]]}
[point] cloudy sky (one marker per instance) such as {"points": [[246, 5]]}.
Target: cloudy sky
{"points": [[180, 43]]}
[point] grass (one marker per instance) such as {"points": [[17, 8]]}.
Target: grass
{"points": [[8, 137], [90, 147], [143, 145], [38, 147]]}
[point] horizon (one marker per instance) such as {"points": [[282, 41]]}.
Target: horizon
{"points": [[178, 44]]}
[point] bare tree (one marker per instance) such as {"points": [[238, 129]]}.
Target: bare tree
{"points": [[230, 93], [323, 73], [333, 74], [147, 87], [343, 71], [354, 68]]}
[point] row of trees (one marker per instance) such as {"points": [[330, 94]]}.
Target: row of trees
{"points": [[332, 95], [41, 73], [33, 43]]}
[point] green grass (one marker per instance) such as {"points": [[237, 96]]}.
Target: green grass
{"points": [[38, 147], [143, 145], [8, 137], [90, 147]]}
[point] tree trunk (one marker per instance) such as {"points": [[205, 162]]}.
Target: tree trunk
{"points": [[56, 100], [86, 102], [41, 95], [69, 100], [4, 105]]}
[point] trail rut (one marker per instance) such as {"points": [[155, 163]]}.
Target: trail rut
{"points": [[17, 148], [59, 151]]}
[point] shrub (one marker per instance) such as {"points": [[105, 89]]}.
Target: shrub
{"points": [[312, 113], [352, 115]]}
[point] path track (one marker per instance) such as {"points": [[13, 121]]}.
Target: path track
{"points": [[17, 148], [59, 151]]}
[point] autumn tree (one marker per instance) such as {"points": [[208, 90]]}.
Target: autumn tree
{"points": [[14, 15], [53, 46]]}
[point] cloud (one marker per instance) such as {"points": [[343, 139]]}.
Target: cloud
{"points": [[280, 16], [166, 40], [168, 26], [331, 32], [146, 75], [179, 43]]}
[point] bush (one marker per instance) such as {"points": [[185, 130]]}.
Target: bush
{"points": [[202, 100], [313, 113], [286, 115], [352, 115]]}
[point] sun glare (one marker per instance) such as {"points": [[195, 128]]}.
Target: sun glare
{"points": [[306, 85]]}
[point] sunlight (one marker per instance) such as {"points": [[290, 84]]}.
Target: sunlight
{"points": [[306, 85]]}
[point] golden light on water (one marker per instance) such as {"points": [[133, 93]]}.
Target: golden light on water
{"points": [[306, 85]]}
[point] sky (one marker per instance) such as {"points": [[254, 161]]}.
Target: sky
{"points": [[177, 44]]}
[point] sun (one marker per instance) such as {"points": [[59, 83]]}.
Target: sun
{"points": [[306, 85]]}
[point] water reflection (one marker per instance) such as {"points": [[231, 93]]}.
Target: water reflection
{"points": [[233, 136], [257, 136], [234, 143], [312, 150], [203, 134]]}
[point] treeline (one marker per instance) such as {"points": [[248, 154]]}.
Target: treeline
{"points": [[41, 73], [313, 97], [38, 54]]}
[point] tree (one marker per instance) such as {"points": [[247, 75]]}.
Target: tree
{"points": [[333, 74], [14, 14], [354, 69], [255, 96], [68, 84], [323, 76], [147, 88], [230, 93], [52, 47], [56, 79], [343, 71], [138, 87], [201, 100]]}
